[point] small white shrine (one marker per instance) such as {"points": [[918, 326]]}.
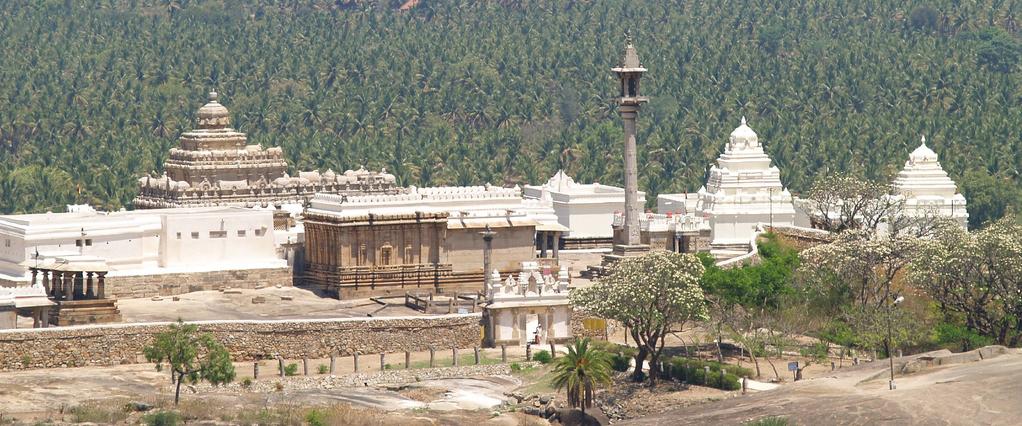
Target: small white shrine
{"points": [[743, 190], [926, 188], [530, 307]]}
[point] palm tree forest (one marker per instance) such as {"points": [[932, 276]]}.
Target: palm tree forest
{"points": [[456, 92]]}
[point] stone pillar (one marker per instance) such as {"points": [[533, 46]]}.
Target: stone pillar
{"points": [[35, 272], [88, 286], [557, 244], [354, 358], [101, 291], [503, 354], [69, 285], [46, 282], [333, 361], [432, 357], [455, 353], [476, 350], [541, 236], [382, 364], [35, 316], [255, 370], [487, 265], [408, 359], [305, 366], [45, 317], [628, 114]]}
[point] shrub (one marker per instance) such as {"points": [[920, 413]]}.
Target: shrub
{"points": [[516, 367], [693, 371], [543, 357], [769, 421], [958, 338], [323, 369], [620, 362], [316, 418], [163, 418], [246, 382], [279, 386], [95, 414], [291, 369]]}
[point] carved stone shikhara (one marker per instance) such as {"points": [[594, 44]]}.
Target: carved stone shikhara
{"points": [[215, 166]]}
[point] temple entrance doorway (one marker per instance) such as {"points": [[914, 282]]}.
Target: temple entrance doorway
{"points": [[532, 328]]}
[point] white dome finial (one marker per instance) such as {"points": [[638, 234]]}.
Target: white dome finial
{"points": [[743, 120], [923, 139]]}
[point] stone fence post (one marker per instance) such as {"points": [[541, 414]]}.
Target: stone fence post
{"points": [[382, 365], [408, 359], [432, 357], [255, 370], [333, 361], [476, 349], [503, 354], [355, 360], [455, 352]]}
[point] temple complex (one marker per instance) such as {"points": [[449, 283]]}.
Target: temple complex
{"points": [[927, 190], [586, 210], [743, 190], [215, 166], [428, 239]]}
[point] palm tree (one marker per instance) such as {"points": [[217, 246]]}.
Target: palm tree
{"points": [[583, 369]]}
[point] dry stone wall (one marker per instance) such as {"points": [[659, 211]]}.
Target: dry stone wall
{"points": [[125, 287], [246, 340]]}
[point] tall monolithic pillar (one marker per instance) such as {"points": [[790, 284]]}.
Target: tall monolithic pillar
{"points": [[629, 71], [632, 209]]}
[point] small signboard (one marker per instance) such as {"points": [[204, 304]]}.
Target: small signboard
{"points": [[793, 366]]}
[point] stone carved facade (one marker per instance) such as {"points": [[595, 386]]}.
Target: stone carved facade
{"points": [[246, 340], [215, 166], [428, 239]]}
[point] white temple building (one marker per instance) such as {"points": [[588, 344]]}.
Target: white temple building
{"points": [[148, 252], [742, 191], [927, 190], [585, 210], [530, 307]]}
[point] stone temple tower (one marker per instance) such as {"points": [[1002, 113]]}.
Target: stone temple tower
{"points": [[629, 71]]}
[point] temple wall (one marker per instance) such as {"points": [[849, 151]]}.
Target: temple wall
{"points": [[246, 340], [132, 286], [511, 247]]}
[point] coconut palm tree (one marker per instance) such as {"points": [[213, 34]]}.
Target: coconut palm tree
{"points": [[583, 369]]}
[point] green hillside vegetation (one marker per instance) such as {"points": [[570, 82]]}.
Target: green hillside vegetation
{"points": [[94, 93]]}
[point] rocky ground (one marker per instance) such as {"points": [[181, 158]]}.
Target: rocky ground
{"points": [[971, 392]]}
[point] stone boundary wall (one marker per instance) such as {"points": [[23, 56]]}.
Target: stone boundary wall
{"points": [[135, 286], [112, 344]]}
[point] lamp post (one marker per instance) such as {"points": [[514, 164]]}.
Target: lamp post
{"points": [[890, 345]]}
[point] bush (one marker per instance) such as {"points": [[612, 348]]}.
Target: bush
{"points": [[693, 371], [543, 357], [95, 414], [620, 362], [515, 367], [323, 369], [958, 338], [769, 421], [316, 418], [163, 418], [246, 382], [291, 369]]}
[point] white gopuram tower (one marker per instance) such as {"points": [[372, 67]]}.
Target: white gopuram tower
{"points": [[742, 191], [927, 189]]}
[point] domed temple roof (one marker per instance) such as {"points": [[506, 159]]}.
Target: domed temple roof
{"points": [[213, 115], [744, 133], [923, 154]]}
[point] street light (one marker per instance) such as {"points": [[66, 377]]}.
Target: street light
{"points": [[890, 347]]}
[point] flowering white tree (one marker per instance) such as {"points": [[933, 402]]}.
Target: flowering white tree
{"points": [[652, 295], [863, 266], [976, 277]]}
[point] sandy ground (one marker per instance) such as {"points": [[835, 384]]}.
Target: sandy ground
{"points": [[984, 392], [216, 305]]}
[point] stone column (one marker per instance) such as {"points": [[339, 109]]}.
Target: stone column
{"points": [[45, 317], [557, 244], [69, 285], [88, 286], [487, 263], [101, 291], [628, 115], [35, 272], [541, 236], [46, 282]]}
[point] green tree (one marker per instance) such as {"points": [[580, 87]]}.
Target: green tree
{"points": [[191, 356], [652, 295], [581, 371]]}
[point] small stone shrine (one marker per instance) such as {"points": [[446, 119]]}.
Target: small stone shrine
{"points": [[529, 307], [77, 286]]}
